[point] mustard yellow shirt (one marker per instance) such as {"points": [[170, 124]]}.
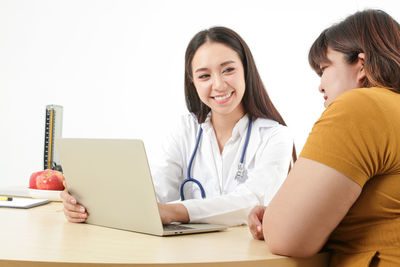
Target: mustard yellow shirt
{"points": [[359, 135]]}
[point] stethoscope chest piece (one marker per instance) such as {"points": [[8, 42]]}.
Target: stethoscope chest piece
{"points": [[241, 175]]}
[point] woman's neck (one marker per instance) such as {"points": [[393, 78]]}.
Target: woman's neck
{"points": [[224, 124]]}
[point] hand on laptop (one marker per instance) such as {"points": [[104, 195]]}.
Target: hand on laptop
{"points": [[173, 213], [255, 222], [72, 210]]}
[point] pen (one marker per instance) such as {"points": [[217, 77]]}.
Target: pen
{"points": [[6, 198]]}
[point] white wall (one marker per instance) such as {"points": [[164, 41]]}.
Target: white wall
{"points": [[117, 66]]}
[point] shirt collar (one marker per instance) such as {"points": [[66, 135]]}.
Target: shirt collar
{"points": [[239, 129], [207, 125]]}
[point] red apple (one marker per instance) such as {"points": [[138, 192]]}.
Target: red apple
{"points": [[32, 180], [50, 180]]}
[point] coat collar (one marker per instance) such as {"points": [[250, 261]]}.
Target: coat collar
{"points": [[239, 129], [241, 126]]}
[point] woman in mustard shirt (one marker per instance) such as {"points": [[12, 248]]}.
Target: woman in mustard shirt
{"points": [[344, 190]]}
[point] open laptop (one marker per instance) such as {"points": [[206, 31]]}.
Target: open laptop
{"points": [[112, 179]]}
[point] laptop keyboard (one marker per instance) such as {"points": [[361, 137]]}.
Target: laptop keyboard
{"points": [[175, 227]]}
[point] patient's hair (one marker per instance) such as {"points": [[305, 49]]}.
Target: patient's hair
{"points": [[372, 32]]}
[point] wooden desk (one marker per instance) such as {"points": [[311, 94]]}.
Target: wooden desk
{"points": [[42, 237]]}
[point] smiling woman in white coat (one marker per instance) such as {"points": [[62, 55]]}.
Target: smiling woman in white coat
{"points": [[231, 153]]}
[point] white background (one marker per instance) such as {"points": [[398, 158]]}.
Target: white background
{"points": [[117, 67]]}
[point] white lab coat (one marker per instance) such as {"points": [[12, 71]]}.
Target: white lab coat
{"points": [[227, 201]]}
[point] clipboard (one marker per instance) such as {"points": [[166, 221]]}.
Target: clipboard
{"points": [[23, 203]]}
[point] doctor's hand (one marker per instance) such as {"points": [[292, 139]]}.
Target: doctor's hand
{"points": [[173, 213], [72, 210], [255, 222]]}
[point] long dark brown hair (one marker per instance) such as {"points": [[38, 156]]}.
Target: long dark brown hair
{"points": [[372, 32], [256, 101]]}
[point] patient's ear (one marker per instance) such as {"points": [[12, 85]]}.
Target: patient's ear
{"points": [[361, 72]]}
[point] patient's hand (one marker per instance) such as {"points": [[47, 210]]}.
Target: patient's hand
{"points": [[255, 222], [72, 210]]}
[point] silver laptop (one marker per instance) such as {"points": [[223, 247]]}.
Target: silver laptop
{"points": [[112, 179]]}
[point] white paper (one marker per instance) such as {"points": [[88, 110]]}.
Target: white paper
{"points": [[23, 203]]}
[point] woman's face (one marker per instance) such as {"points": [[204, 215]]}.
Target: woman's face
{"points": [[218, 76], [338, 76]]}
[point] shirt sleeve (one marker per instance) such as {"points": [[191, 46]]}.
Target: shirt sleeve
{"points": [[264, 179], [168, 171], [350, 137]]}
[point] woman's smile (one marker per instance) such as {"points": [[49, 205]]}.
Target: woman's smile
{"points": [[221, 99]]}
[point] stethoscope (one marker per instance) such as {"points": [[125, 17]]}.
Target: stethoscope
{"points": [[239, 173]]}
